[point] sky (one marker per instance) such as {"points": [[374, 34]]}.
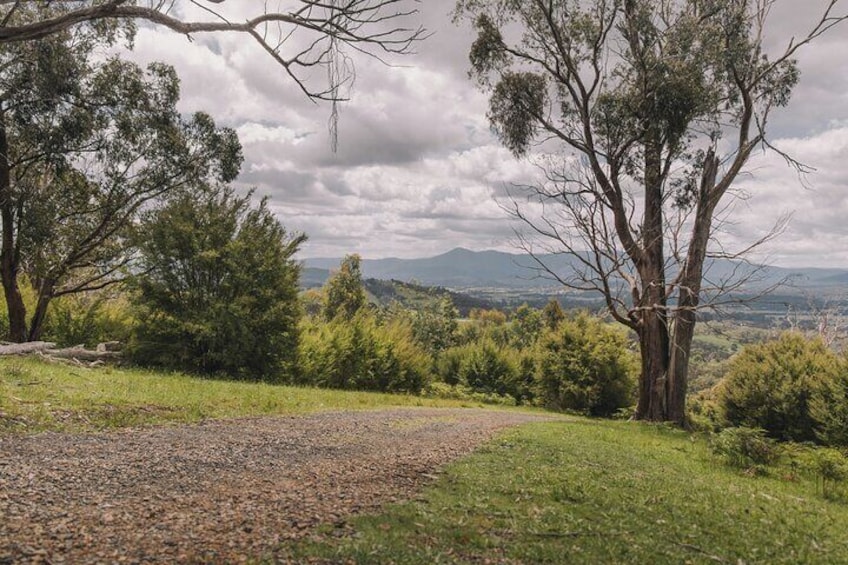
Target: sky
{"points": [[418, 171]]}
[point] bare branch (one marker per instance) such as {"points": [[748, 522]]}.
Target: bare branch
{"points": [[325, 27]]}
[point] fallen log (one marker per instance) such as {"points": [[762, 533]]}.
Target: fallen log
{"points": [[82, 354], [26, 348], [105, 352]]}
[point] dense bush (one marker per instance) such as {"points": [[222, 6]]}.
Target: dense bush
{"points": [[434, 326], [219, 289], [585, 365], [362, 354], [486, 368], [770, 386], [343, 293]]}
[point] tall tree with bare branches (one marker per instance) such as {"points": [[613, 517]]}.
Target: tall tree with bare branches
{"points": [[658, 105], [301, 36]]}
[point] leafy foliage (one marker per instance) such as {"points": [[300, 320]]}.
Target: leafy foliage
{"points": [[434, 326], [585, 366], [828, 407], [219, 289], [744, 448], [87, 143], [362, 354], [344, 294], [770, 386], [90, 318]]}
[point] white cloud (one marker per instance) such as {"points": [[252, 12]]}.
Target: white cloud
{"points": [[418, 170]]}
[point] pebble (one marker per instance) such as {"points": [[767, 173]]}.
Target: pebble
{"points": [[220, 491]]}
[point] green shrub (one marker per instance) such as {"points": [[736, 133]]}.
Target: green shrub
{"points": [[829, 408], [89, 319], [219, 289], [831, 468], [585, 365], [362, 354], [485, 367], [827, 466], [449, 365], [770, 385], [438, 389], [488, 368], [434, 326], [745, 448]]}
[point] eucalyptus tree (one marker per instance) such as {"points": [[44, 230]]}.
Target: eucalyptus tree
{"points": [[658, 105], [86, 143], [304, 37]]}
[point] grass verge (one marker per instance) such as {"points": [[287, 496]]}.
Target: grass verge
{"points": [[38, 396], [597, 492]]}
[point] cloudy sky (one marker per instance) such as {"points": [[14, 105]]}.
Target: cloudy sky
{"points": [[418, 172]]}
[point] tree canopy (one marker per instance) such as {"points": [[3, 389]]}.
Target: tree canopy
{"points": [[85, 144], [218, 289]]}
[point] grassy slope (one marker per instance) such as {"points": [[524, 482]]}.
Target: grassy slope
{"points": [[599, 492], [579, 491], [37, 396]]}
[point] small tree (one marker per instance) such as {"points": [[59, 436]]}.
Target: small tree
{"points": [[552, 314], [344, 294], [526, 326], [643, 94], [434, 326], [219, 289]]}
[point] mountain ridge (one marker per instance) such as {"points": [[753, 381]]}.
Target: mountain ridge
{"points": [[462, 268]]}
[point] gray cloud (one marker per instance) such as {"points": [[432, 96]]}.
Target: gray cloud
{"points": [[418, 171]]}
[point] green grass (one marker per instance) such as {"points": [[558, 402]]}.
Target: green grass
{"points": [[38, 396], [592, 492]]}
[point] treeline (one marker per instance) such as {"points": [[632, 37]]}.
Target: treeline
{"points": [[221, 307]]}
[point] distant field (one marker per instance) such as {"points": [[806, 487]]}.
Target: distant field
{"points": [[38, 396], [598, 492]]}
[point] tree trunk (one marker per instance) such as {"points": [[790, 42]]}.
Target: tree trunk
{"points": [[36, 324], [653, 324], [689, 293], [653, 345], [9, 260]]}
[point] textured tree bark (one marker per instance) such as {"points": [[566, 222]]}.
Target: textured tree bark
{"points": [[36, 324], [653, 325], [9, 260], [689, 292]]}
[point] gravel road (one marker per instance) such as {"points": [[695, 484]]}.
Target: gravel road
{"points": [[221, 491]]}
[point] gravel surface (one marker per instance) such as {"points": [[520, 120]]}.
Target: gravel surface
{"points": [[221, 491]]}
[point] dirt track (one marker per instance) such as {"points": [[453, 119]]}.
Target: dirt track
{"points": [[221, 491]]}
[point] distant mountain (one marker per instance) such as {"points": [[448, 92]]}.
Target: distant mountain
{"points": [[465, 269], [459, 268]]}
